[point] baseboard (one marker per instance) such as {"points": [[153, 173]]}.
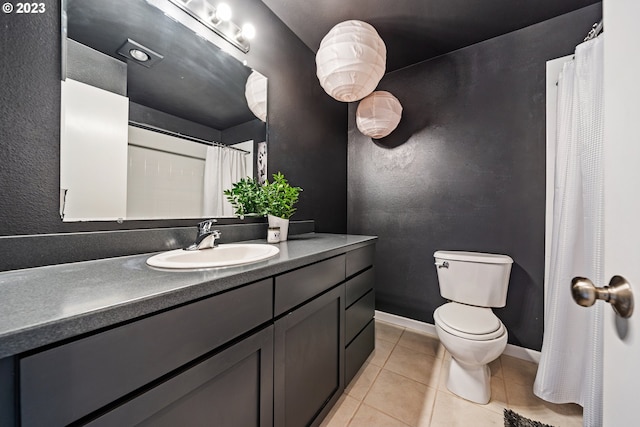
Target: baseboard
{"points": [[429, 329]]}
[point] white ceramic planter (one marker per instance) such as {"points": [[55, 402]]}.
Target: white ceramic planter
{"points": [[275, 221]]}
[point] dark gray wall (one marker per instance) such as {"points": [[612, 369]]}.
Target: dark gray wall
{"points": [[465, 170], [307, 129]]}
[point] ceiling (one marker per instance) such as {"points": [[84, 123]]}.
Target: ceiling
{"points": [[196, 81], [417, 30]]}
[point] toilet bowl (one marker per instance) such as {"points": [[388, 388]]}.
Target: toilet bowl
{"points": [[466, 326], [471, 352]]}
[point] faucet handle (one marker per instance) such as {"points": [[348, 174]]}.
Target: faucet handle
{"points": [[204, 227]]}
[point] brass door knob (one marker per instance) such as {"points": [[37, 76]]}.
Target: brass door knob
{"points": [[618, 294]]}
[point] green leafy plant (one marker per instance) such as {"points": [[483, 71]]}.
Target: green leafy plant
{"points": [[280, 197], [247, 198]]}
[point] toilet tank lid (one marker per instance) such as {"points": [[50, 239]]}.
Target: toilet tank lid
{"points": [[473, 257]]}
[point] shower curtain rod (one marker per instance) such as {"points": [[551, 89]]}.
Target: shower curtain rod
{"points": [[596, 29], [188, 138]]}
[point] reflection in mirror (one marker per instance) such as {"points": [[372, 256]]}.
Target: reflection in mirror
{"points": [[156, 119]]}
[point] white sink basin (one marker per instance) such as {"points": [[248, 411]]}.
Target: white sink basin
{"points": [[220, 256]]}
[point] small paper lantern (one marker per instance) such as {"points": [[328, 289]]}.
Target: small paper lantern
{"points": [[378, 114], [255, 91], [351, 61]]}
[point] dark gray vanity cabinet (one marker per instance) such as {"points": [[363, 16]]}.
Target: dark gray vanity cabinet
{"points": [[309, 344], [275, 352], [360, 309], [231, 388], [66, 383]]}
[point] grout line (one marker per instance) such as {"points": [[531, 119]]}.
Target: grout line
{"points": [[354, 413]]}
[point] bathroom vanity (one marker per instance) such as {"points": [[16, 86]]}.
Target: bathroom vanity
{"points": [[115, 342]]}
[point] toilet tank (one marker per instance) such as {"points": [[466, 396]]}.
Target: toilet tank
{"points": [[473, 278]]}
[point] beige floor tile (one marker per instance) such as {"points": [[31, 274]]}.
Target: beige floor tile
{"points": [[367, 416], [518, 370], [388, 332], [381, 353], [569, 415], [421, 342], [341, 413], [521, 399], [412, 362], [415, 365], [361, 383], [402, 398], [498, 396], [451, 411]]}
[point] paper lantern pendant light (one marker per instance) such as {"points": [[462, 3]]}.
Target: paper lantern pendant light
{"points": [[351, 61], [255, 91], [378, 114]]}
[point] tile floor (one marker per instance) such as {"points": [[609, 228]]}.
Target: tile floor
{"points": [[403, 384]]}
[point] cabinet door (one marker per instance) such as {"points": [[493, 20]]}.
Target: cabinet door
{"points": [[230, 389], [309, 360]]}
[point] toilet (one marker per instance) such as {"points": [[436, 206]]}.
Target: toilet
{"points": [[473, 282]]}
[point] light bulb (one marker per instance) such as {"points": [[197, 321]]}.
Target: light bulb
{"points": [[248, 32], [139, 55], [223, 12]]}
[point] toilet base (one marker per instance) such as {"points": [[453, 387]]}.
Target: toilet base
{"points": [[470, 382]]}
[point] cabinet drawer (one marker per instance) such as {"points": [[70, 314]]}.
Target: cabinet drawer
{"points": [[232, 388], [360, 259], [360, 285], [298, 286], [358, 315], [358, 351], [65, 383]]}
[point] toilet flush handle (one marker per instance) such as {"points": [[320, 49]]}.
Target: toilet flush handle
{"points": [[442, 264]]}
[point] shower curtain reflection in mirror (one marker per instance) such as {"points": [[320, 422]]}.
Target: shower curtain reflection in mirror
{"points": [[223, 166]]}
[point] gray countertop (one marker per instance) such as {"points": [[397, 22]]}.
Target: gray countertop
{"points": [[40, 306]]}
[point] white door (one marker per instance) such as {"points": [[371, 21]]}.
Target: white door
{"points": [[622, 206]]}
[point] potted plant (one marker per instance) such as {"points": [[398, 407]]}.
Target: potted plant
{"points": [[247, 198], [279, 200]]}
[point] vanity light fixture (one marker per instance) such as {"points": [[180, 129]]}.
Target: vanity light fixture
{"points": [[139, 54], [218, 19]]}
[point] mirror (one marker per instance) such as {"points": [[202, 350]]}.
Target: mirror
{"points": [[150, 107]]}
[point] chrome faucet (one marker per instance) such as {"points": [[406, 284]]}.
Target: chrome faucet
{"points": [[206, 237]]}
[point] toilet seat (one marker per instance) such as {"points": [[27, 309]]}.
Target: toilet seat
{"points": [[469, 322]]}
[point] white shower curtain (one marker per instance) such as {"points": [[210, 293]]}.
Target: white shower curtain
{"points": [[223, 166], [570, 367]]}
